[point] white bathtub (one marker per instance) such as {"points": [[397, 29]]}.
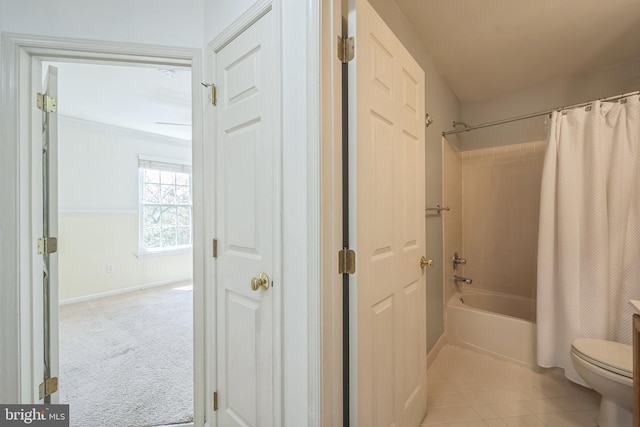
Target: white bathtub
{"points": [[500, 325]]}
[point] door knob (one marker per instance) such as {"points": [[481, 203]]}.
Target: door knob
{"points": [[260, 282], [425, 262]]}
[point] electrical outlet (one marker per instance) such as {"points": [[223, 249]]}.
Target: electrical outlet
{"points": [[109, 268]]}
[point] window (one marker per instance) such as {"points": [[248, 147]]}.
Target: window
{"points": [[165, 206]]}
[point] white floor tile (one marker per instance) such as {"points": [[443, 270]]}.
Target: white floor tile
{"points": [[472, 397], [445, 399], [542, 406], [448, 414], [440, 387], [523, 421], [459, 424], [476, 423], [468, 389], [460, 386], [484, 411], [509, 409], [570, 419]]}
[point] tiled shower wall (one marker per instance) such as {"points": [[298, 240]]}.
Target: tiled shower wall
{"points": [[500, 208]]}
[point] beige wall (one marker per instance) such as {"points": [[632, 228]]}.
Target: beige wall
{"points": [[501, 202], [92, 241], [98, 208], [621, 78], [452, 189]]}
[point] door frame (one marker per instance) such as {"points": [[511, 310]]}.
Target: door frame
{"points": [[332, 26], [17, 242]]}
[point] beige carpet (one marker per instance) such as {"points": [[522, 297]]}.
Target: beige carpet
{"points": [[127, 360]]}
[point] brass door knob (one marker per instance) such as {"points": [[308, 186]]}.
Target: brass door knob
{"points": [[260, 282], [425, 262]]}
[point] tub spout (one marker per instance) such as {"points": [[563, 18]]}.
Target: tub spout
{"points": [[462, 279]]}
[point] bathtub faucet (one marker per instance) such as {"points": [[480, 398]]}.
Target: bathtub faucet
{"points": [[457, 260], [462, 279]]}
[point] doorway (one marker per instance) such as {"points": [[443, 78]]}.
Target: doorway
{"points": [[125, 253], [22, 65], [25, 55]]}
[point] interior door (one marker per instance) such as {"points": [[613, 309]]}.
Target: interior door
{"points": [[247, 227], [45, 230], [387, 227]]}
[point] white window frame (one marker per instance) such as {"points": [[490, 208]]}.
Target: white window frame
{"points": [[166, 165]]}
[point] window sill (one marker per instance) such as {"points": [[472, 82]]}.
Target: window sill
{"points": [[164, 252]]}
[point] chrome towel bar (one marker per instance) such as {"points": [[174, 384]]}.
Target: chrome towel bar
{"points": [[438, 209]]}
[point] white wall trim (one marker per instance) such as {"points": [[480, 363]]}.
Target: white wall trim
{"points": [[250, 17], [313, 208], [97, 212], [11, 275], [146, 159], [124, 290], [437, 348], [16, 243], [128, 132], [55, 48], [261, 8], [209, 175], [331, 210], [165, 252]]}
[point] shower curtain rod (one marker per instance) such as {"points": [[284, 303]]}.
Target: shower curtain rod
{"points": [[541, 113]]}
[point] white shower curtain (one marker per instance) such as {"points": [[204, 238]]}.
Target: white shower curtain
{"points": [[589, 236]]}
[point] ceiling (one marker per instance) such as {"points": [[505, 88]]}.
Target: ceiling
{"points": [[482, 48], [491, 47], [148, 99]]}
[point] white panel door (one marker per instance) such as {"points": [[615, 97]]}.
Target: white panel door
{"points": [[386, 132], [247, 226]]}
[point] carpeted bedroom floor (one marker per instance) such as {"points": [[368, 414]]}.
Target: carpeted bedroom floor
{"points": [[127, 360]]}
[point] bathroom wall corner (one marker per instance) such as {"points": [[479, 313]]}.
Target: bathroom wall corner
{"points": [[452, 219]]}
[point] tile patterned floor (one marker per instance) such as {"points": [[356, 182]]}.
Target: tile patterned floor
{"points": [[468, 389]]}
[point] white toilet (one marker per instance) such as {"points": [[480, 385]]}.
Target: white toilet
{"points": [[607, 367]]}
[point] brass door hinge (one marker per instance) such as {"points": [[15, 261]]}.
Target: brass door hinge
{"points": [[346, 261], [47, 245], [215, 401], [48, 387], [215, 248], [214, 93], [46, 103], [346, 49]]}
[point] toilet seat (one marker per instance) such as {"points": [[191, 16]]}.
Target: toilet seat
{"points": [[611, 356]]}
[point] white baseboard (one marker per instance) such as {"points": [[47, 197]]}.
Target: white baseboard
{"points": [[124, 290], [437, 348]]}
